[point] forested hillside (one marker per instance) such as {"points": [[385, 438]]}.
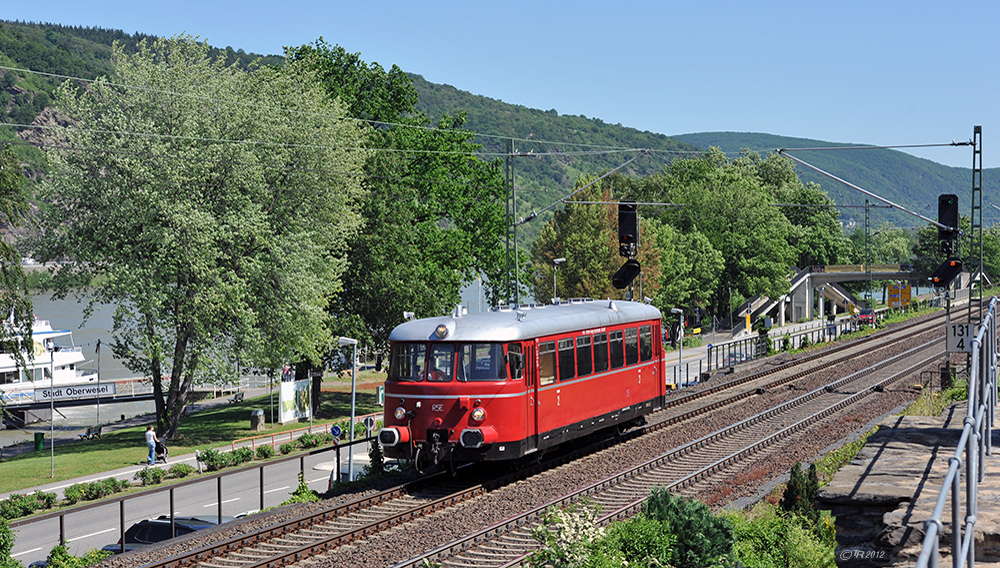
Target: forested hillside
{"points": [[554, 150]]}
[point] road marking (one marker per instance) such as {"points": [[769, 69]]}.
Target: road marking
{"points": [[92, 534], [224, 502], [26, 552], [278, 489], [325, 477]]}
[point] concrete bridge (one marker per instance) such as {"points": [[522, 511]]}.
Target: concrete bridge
{"points": [[822, 283]]}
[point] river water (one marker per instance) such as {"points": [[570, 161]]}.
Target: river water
{"points": [[68, 314]]}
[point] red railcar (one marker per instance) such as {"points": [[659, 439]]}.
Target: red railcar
{"points": [[515, 381]]}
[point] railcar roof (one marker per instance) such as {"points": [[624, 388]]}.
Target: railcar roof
{"points": [[537, 321]]}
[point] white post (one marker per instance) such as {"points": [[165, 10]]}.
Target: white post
{"points": [[350, 427]]}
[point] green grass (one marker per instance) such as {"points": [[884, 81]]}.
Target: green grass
{"points": [[207, 429]]}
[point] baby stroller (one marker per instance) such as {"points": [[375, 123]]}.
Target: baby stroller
{"points": [[162, 453]]}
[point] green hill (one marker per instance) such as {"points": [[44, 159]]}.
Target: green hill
{"points": [[554, 150]]}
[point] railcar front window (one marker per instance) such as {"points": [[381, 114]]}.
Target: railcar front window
{"points": [[407, 362], [481, 362], [441, 362]]}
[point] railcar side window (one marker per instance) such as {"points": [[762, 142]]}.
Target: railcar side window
{"points": [[481, 362], [631, 346], [617, 350], [547, 363], [567, 360], [407, 362], [441, 362], [601, 352], [645, 342], [584, 361]]}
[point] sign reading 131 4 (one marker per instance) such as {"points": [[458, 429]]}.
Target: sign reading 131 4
{"points": [[959, 338]]}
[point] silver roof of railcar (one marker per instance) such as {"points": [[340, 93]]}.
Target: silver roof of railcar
{"points": [[525, 322]]}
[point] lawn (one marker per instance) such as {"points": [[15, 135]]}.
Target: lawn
{"points": [[211, 428]]}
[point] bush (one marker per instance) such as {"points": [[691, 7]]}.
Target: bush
{"points": [[302, 494], [286, 448], [179, 470], [566, 536], [702, 538], [800, 494], [241, 456], [73, 494], [307, 441], [21, 505], [376, 465], [764, 538], [265, 452], [6, 545], [214, 459], [59, 557], [150, 475], [636, 542]]}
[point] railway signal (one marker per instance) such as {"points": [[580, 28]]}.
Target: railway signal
{"points": [[948, 216], [947, 272], [628, 229], [626, 274]]}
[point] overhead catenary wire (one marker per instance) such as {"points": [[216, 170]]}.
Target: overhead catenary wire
{"points": [[784, 152], [578, 190]]}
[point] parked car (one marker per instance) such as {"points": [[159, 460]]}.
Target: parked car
{"points": [[736, 357], [151, 531], [867, 316]]}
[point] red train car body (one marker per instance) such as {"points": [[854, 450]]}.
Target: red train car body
{"points": [[515, 381]]}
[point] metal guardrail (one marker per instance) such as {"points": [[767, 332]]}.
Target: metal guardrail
{"points": [[973, 447]]}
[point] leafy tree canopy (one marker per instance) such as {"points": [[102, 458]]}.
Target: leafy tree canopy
{"points": [[214, 204]]}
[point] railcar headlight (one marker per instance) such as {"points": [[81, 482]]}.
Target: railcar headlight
{"points": [[441, 331], [400, 413], [479, 414]]}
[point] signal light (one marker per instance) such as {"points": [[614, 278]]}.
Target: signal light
{"points": [[626, 274], [948, 216], [947, 272], [628, 229]]}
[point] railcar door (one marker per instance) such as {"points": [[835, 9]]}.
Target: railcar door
{"points": [[531, 397]]}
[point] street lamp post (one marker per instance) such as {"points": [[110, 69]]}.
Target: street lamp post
{"points": [[350, 426], [680, 342], [555, 262]]}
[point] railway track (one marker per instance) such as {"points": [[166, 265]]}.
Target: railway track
{"points": [[315, 536]]}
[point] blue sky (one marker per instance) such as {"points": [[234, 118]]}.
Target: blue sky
{"points": [[883, 72]]}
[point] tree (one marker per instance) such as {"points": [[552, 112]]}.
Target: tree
{"points": [[15, 299], [212, 205], [434, 215], [586, 235], [691, 269]]}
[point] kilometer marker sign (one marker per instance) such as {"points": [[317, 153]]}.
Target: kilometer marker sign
{"points": [[959, 338]]}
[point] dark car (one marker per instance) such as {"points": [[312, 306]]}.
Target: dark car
{"points": [[156, 530]]}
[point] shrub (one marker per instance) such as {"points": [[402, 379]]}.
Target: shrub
{"points": [[287, 448], [73, 494], [376, 465], [636, 542], [265, 452], [6, 544], [800, 494], [566, 536], [59, 557], [308, 441], [214, 459], [241, 455], [359, 430], [45, 500], [702, 538], [804, 341], [179, 470], [763, 538], [150, 475], [302, 494]]}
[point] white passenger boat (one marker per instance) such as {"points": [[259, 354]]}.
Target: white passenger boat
{"points": [[54, 361]]}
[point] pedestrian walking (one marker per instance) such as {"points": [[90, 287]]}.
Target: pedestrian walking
{"points": [[151, 441]]}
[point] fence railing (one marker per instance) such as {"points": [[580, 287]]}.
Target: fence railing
{"points": [[970, 455]]}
